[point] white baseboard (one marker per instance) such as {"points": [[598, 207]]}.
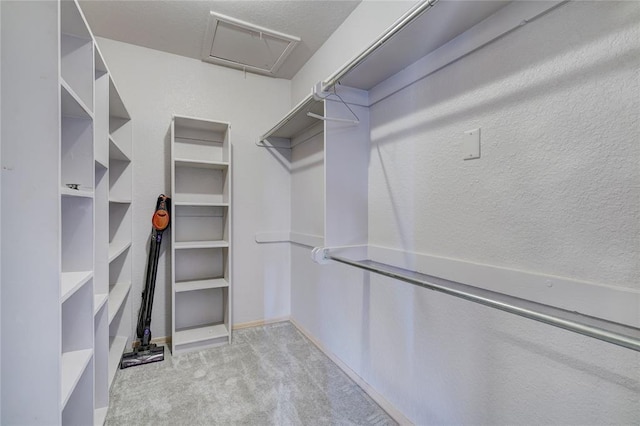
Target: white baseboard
{"points": [[258, 323], [392, 411]]}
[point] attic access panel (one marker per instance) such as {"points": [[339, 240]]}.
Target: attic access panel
{"points": [[234, 43]]}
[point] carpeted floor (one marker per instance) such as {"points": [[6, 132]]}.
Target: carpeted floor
{"points": [[270, 375]]}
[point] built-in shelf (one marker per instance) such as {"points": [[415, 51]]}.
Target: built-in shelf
{"points": [[200, 334], [99, 65], [99, 416], [198, 200], [430, 30], [73, 365], [117, 295], [116, 106], [201, 278], [200, 244], [99, 301], [181, 286], [295, 122], [70, 282], [203, 164], [116, 248], [115, 152], [116, 348], [101, 164], [70, 103], [82, 193], [120, 200]]}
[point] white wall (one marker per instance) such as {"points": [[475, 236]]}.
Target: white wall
{"points": [[154, 85], [555, 192]]}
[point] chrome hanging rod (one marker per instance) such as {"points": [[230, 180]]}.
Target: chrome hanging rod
{"points": [[398, 26], [598, 328]]}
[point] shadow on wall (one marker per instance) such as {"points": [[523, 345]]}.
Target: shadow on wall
{"points": [[401, 127], [596, 368]]}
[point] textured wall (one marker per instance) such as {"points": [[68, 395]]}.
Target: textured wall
{"points": [[556, 188], [154, 85], [555, 192]]}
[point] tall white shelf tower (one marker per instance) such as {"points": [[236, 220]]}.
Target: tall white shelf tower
{"points": [[66, 218], [200, 233]]}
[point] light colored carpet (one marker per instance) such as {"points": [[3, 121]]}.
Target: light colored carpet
{"points": [[269, 375]]}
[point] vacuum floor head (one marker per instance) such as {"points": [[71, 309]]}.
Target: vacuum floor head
{"points": [[141, 356]]}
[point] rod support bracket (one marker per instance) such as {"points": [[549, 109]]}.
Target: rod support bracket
{"points": [[318, 93], [319, 255]]}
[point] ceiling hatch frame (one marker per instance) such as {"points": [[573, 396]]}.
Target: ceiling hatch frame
{"points": [[248, 39]]}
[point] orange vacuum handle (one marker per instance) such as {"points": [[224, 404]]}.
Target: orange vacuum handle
{"points": [[160, 218]]}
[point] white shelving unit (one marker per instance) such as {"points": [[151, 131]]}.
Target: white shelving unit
{"points": [[57, 272], [101, 235], [200, 233], [113, 232], [119, 148], [77, 179]]}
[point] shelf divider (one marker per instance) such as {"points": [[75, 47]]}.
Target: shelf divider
{"points": [[73, 365], [116, 248], [71, 104], [70, 282], [117, 295], [200, 244], [194, 285], [200, 334]]}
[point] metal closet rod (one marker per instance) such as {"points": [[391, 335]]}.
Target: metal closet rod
{"points": [[598, 328], [398, 26]]}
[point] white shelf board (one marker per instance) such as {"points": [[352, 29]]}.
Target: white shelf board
{"points": [[73, 22], [199, 334], [120, 200], [428, 32], [198, 200], [183, 122], [70, 282], [101, 164], [202, 164], [99, 301], [82, 193], [200, 244], [117, 295], [116, 348], [100, 65], [116, 248], [116, 106], [73, 365], [115, 152], [181, 286], [297, 120], [99, 416], [71, 104]]}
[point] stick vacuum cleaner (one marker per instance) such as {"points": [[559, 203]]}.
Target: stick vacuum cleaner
{"points": [[148, 352]]}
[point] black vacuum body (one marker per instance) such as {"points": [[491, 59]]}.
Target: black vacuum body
{"points": [[148, 352]]}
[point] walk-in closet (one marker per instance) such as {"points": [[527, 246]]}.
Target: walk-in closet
{"points": [[319, 212]]}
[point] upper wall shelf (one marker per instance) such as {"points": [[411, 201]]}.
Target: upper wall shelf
{"points": [[426, 27], [423, 29], [294, 123]]}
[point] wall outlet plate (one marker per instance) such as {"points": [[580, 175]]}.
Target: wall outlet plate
{"points": [[471, 144]]}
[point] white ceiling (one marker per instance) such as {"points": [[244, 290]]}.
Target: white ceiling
{"points": [[179, 26]]}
